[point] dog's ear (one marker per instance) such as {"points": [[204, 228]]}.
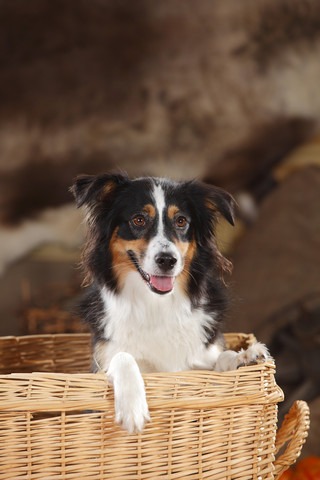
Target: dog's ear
{"points": [[89, 190], [208, 203], [218, 200]]}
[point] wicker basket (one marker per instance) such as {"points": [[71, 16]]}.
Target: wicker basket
{"points": [[204, 424]]}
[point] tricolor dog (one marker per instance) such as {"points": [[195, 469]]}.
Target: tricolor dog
{"points": [[157, 296]]}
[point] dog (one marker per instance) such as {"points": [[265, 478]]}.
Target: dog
{"points": [[157, 297]]}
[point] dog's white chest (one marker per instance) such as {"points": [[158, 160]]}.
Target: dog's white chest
{"points": [[161, 332]]}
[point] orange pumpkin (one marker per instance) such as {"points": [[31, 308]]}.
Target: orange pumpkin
{"points": [[307, 469], [287, 475]]}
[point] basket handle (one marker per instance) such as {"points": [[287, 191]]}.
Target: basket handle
{"points": [[294, 430]]}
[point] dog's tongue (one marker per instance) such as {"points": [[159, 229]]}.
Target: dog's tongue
{"points": [[163, 284]]}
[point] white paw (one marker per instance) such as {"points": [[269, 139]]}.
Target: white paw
{"points": [[257, 353], [132, 412], [131, 408]]}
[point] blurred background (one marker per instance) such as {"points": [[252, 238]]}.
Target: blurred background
{"points": [[223, 91]]}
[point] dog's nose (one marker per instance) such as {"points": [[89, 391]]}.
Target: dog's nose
{"points": [[165, 261]]}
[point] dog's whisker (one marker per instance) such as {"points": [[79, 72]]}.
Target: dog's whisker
{"points": [[189, 274]]}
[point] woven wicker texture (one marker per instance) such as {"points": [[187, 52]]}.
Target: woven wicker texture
{"points": [[204, 424], [294, 431], [46, 353]]}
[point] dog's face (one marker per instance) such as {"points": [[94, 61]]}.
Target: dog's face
{"points": [[153, 234], [151, 226]]}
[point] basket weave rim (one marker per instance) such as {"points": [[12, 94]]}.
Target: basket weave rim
{"points": [[252, 385]]}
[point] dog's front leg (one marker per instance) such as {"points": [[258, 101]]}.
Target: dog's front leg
{"points": [[131, 409], [230, 360]]}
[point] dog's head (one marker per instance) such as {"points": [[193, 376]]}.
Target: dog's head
{"points": [[161, 229]]}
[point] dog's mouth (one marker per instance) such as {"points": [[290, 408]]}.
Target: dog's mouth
{"points": [[158, 284]]}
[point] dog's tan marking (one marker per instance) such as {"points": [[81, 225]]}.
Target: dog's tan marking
{"points": [[150, 210], [172, 211], [182, 247], [121, 263], [108, 188], [188, 250], [211, 206]]}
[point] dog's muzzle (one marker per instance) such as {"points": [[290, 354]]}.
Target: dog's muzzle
{"points": [[160, 284]]}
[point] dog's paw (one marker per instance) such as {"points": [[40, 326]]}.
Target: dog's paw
{"points": [[130, 403], [132, 416], [257, 353]]}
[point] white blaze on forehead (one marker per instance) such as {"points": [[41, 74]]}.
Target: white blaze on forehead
{"points": [[159, 200]]}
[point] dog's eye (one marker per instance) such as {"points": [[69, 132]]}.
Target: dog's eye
{"points": [[139, 221], [181, 221]]}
